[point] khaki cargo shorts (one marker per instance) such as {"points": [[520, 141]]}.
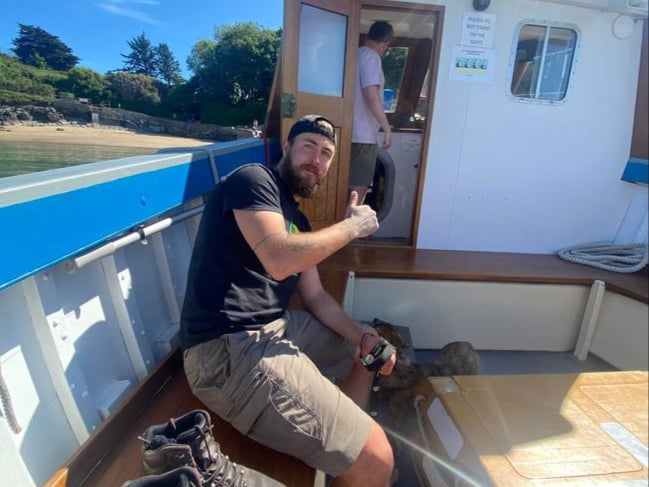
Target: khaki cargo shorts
{"points": [[269, 385], [362, 163]]}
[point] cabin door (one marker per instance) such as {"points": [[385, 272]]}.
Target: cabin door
{"points": [[317, 76]]}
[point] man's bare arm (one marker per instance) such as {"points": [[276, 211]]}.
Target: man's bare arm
{"points": [[328, 311], [283, 254]]}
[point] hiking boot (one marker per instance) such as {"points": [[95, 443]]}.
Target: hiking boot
{"points": [[187, 440], [179, 477]]}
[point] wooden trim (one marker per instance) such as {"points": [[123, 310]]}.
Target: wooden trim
{"points": [[59, 479], [273, 115], [438, 13]]}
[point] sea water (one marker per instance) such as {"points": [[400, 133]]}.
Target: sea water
{"points": [[25, 157]]}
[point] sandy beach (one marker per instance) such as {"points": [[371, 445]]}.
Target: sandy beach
{"points": [[93, 135]]}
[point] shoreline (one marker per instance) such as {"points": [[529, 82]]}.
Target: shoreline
{"points": [[97, 135]]}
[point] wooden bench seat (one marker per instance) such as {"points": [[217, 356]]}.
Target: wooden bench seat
{"points": [[409, 263]]}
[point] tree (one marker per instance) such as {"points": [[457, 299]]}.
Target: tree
{"points": [[36, 47], [134, 91], [236, 70], [142, 58], [394, 64], [201, 55], [84, 83], [168, 67]]}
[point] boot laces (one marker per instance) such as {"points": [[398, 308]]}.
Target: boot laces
{"points": [[222, 472]]}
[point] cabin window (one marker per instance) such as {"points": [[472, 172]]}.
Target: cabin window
{"points": [[542, 62], [394, 65]]}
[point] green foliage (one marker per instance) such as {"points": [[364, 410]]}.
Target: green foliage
{"points": [[394, 64], [13, 97], [168, 67], [231, 86], [85, 83], [224, 114], [235, 72], [22, 84], [36, 60], [201, 55], [155, 61], [135, 92], [177, 101], [38, 48], [142, 58]]}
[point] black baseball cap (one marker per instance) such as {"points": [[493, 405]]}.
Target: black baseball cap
{"points": [[316, 124]]}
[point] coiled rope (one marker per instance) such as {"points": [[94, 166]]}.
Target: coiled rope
{"points": [[624, 258], [7, 406]]}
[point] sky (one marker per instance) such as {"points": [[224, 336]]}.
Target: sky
{"points": [[98, 31]]}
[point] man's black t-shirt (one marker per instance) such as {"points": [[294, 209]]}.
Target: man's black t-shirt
{"points": [[228, 289]]}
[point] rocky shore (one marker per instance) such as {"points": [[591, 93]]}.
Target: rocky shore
{"points": [[70, 113]]}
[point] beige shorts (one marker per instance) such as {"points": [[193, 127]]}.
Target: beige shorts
{"points": [[362, 163], [269, 385]]}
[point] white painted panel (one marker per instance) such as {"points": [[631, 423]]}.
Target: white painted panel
{"points": [[12, 466], [403, 155], [147, 303], [621, 337], [508, 176], [178, 246], [99, 349], [38, 408], [492, 316], [634, 226]]}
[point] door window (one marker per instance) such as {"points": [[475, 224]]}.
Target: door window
{"points": [[321, 57]]}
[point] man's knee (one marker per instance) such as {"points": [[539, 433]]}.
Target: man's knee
{"points": [[374, 465], [378, 448]]}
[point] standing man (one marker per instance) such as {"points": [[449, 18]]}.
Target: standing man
{"points": [[266, 369], [369, 114]]}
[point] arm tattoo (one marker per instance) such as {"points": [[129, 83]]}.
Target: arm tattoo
{"points": [[266, 237]]}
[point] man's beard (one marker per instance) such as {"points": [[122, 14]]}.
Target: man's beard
{"points": [[297, 184]]}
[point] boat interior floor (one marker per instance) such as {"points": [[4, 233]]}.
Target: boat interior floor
{"points": [[121, 461], [518, 362], [491, 363]]}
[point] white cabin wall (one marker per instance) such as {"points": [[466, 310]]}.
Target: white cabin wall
{"points": [[502, 175], [634, 225]]}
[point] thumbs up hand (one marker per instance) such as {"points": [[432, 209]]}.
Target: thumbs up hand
{"points": [[361, 218]]}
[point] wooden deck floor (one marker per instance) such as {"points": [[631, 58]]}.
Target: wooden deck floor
{"points": [[112, 454]]}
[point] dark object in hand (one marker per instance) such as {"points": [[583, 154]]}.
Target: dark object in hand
{"points": [[378, 356]]}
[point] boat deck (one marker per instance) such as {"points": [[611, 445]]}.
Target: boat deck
{"points": [[111, 455]]}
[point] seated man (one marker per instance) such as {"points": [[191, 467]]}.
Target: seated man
{"points": [[260, 366]]}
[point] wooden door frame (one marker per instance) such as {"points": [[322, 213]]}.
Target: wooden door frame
{"points": [[438, 11], [290, 51]]}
